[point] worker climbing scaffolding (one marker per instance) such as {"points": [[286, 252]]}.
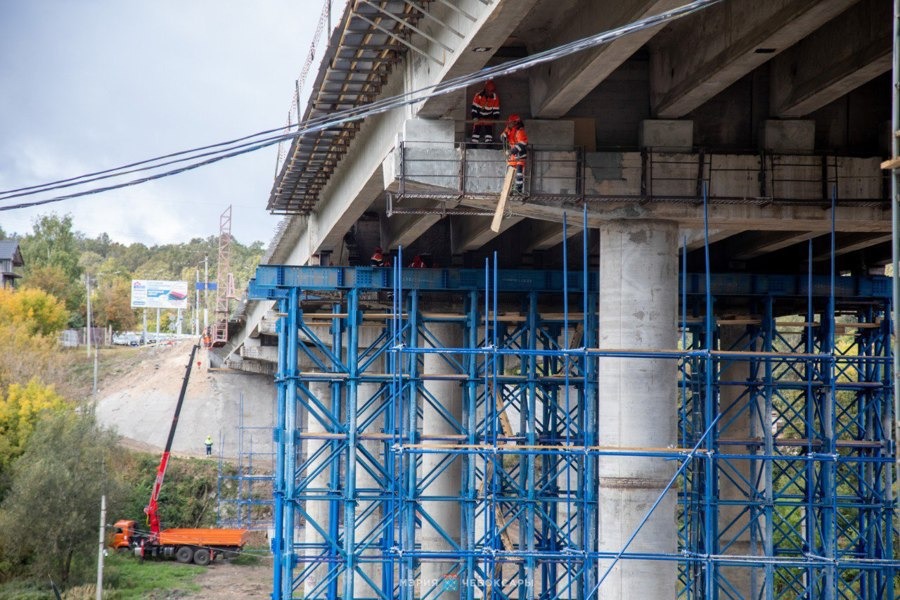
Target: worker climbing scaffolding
{"points": [[516, 140]]}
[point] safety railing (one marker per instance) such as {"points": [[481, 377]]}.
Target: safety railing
{"points": [[449, 172]]}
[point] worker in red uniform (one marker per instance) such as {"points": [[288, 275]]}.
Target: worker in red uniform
{"points": [[379, 259], [485, 110], [515, 138], [417, 262]]}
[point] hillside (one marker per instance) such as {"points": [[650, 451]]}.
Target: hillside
{"points": [[138, 394]]}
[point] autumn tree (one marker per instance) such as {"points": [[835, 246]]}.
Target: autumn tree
{"points": [[112, 304], [29, 322], [53, 242], [20, 409], [49, 517], [36, 310], [50, 278]]}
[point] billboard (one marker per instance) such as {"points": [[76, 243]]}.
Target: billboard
{"points": [[148, 293]]}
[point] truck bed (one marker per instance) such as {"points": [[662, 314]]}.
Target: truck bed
{"points": [[203, 537]]}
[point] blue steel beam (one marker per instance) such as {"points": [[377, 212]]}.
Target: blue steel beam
{"points": [[273, 281]]}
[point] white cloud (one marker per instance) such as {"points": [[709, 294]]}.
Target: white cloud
{"points": [[101, 83]]}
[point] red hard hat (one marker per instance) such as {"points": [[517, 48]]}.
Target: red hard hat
{"points": [[514, 118], [489, 85]]}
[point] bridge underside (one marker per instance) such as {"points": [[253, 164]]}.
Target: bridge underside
{"points": [[666, 374]]}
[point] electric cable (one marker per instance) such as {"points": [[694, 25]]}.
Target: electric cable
{"points": [[249, 143], [37, 188]]}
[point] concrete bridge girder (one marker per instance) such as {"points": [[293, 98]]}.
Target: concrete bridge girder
{"points": [[742, 217], [475, 232], [494, 23], [816, 71], [555, 88], [694, 59]]}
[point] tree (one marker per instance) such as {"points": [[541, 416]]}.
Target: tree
{"points": [[49, 518], [52, 243], [24, 356], [50, 278], [112, 304], [36, 310], [20, 409]]}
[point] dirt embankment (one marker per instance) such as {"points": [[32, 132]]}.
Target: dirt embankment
{"points": [[139, 396]]}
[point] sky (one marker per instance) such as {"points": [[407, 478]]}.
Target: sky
{"points": [[87, 85]]}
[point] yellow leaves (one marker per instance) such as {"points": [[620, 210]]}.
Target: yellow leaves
{"points": [[20, 409], [39, 312]]}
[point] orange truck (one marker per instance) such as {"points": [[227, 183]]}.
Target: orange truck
{"points": [[200, 546]]}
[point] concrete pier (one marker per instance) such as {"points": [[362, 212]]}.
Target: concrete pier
{"points": [[317, 510], [439, 578], [737, 477], [638, 300]]}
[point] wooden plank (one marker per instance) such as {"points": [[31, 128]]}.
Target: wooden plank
{"points": [[504, 194], [893, 163]]}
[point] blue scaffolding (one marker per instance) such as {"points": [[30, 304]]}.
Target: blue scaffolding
{"points": [[437, 436]]}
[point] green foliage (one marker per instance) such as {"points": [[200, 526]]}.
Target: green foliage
{"points": [[36, 310], [53, 280], [188, 495], [57, 259], [124, 578], [250, 556], [49, 518], [112, 305], [53, 243], [127, 578]]}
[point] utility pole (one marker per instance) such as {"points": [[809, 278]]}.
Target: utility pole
{"points": [[87, 283], [197, 305], [205, 292], [96, 366], [100, 550]]}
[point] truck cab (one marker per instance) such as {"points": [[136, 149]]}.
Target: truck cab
{"points": [[123, 532]]}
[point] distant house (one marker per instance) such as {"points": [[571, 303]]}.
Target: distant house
{"points": [[10, 258]]}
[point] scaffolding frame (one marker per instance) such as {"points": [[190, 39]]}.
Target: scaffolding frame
{"points": [[809, 509], [250, 505]]}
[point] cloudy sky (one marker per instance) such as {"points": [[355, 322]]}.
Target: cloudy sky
{"points": [[89, 85]]}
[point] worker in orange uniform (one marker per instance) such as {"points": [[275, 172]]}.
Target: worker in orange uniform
{"points": [[515, 138], [485, 110], [379, 259]]}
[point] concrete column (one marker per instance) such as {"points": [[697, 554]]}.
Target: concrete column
{"points": [[369, 490], [637, 408], [317, 510], [445, 488], [739, 421]]}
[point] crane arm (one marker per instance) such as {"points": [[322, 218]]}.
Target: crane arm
{"points": [[152, 508]]}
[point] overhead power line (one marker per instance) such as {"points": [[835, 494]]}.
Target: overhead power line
{"points": [[263, 139]]}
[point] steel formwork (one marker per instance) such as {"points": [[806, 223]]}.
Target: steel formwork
{"points": [[451, 438]]}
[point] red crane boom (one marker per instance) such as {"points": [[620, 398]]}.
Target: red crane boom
{"points": [[152, 508]]}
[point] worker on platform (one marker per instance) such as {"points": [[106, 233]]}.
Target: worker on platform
{"points": [[379, 259], [417, 262], [208, 443], [485, 110], [515, 138]]}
